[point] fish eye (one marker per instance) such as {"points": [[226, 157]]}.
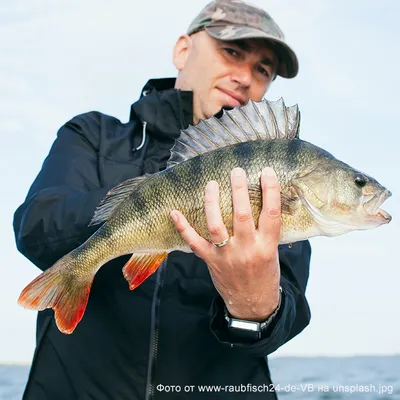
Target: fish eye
{"points": [[360, 180]]}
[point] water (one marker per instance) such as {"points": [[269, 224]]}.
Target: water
{"points": [[356, 378], [319, 378], [12, 381]]}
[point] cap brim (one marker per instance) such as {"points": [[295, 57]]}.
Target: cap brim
{"points": [[288, 63]]}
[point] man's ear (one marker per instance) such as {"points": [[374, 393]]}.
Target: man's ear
{"points": [[181, 51]]}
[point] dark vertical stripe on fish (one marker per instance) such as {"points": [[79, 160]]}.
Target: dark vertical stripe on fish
{"points": [[244, 152], [290, 152], [140, 201], [194, 167], [174, 176], [267, 152]]}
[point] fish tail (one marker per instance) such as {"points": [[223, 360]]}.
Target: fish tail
{"points": [[65, 288]]}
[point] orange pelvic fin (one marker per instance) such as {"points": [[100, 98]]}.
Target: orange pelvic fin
{"points": [[140, 267], [62, 290]]}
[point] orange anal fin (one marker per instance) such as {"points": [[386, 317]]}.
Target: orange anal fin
{"points": [[140, 267]]}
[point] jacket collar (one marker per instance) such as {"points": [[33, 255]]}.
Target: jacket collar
{"points": [[165, 109]]}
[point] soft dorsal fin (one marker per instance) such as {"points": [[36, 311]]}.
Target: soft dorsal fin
{"points": [[114, 198], [256, 120]]}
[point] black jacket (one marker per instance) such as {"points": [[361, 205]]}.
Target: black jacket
{"points": [[168, 331]]}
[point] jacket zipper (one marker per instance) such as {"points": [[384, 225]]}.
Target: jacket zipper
{"points": [[155, 321]]}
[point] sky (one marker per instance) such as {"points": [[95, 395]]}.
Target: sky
{"points": [[59, 59]]}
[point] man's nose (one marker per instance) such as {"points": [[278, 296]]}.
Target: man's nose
{"points": [[243, 74]]}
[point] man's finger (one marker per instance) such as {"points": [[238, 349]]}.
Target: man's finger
{"points": [[243, 224], [270, 217], [197, 244], [215, 224]]}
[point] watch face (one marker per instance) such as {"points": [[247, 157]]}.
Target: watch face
{"points": [[244, 325], [243, 329], [244, 334]]}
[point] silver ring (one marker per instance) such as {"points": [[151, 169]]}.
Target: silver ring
{"points": [[221, 244]]}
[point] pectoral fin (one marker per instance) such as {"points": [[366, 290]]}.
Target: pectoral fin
{"points": [[140, 267], [288, 200], [288, 203]]}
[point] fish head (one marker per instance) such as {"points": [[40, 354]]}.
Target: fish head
{"points": [[341, 199]]}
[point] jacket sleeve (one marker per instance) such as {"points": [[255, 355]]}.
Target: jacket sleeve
{"points": [[54, 218], [294, 314]]}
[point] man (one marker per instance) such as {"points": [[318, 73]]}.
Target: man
{"points": [[176, 331]]}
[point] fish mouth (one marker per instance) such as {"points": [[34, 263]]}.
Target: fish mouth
{"points": [[372, 204]]}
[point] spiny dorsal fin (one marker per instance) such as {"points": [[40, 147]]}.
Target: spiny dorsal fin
{"points": [[114, 198], [264, 120]]}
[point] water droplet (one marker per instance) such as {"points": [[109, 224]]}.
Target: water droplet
{"points": [[230, 302], [290, 245]]}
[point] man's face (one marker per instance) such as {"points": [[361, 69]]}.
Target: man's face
{"points": [[222, 73]]}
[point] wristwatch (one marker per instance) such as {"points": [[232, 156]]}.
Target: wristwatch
{"points": [[253, 330]]}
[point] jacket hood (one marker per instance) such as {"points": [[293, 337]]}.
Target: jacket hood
{"points": [[166, 110]]}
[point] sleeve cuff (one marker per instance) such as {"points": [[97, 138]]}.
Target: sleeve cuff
{"points": [[273, 336]]}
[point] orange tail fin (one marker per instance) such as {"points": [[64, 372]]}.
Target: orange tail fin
{"points": [[140, 267], [62, 289]]}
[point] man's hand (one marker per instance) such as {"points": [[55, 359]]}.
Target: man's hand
{"points": [[246, 271]]}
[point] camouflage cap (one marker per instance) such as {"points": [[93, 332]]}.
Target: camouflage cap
{"points": [[235, 19]]}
